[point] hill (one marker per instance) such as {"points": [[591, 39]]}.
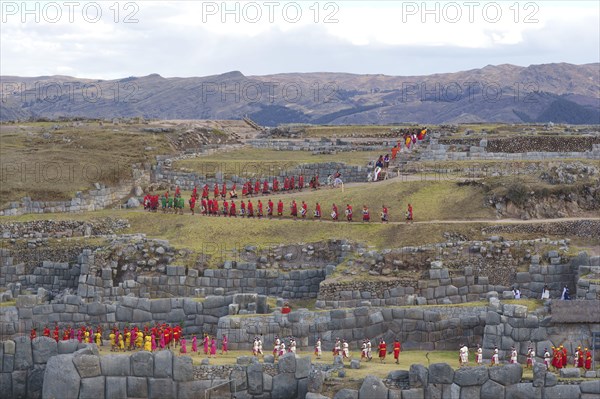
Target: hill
{"points": [[563, 93]]}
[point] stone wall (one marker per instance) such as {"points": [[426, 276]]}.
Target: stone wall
{"points": [[437, 151], [45, 369], [323, 145], [62, 228], [439, 288], [195, 316], [180, 281], [99, 198], [439, 380], [556, 273], [262, 171], [69, 370], [431, 328], [23, 364]]}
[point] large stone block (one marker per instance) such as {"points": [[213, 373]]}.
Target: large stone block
{"points": [[563, 392], [141, 316], [8, 363], [492, 318], [418, 376], [115, 365], [6, 385], [508, 374], [137, 387], [35, 381], [191, 389], [524, 390], [413, 393], [23, 353], [124, 314], [87, 365], [162, 305], [285, 386], [238, 380], [43, 348], [492, 390], [570, 372], [92, 388], [19, 384], [539, 374], [182, 368], [287, 363], [471, 376], [302, 367], [441, 373], [255, 379], [471, 392], [163, 364], [61, 379], [142, 364], [161, 388], [373, 388], [66, 347], [551, 380], [346, 393], [116, 387], [590, 387]]}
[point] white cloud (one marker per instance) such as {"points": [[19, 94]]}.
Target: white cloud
{"points": [[187, 38]]}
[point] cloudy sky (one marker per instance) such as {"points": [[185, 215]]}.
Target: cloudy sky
{"points": [[110, 39]]}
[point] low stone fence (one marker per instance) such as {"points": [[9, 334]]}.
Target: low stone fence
{"points": [[93, 200], [322, 145], [439, 380], [261, 171], [589, 288], [513, 149]]}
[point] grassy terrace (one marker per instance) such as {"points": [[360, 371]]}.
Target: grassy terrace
{"points": [[71, 159], [250, 162], [431, 200]]}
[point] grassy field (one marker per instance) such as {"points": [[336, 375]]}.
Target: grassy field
{"points": [[254, 162], [431, 200], [69, 159]]}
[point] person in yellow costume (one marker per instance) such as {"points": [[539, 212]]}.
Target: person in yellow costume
{"points": [[98, 338], [127, 339], [148, 344], [113, 343], [86, 338], [139, 340], [121, 343]]}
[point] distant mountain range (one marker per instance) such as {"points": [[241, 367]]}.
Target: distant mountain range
{"points": [[561, 93]]}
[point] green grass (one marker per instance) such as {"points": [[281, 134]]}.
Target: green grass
{"points": [[254, 162], [71, 160], [431, 201], [531, 304], [8, 303]]}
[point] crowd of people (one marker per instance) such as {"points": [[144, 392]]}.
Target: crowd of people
{"points": [[166, 336], [157, 337], [582, 358], [219, 205]]}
